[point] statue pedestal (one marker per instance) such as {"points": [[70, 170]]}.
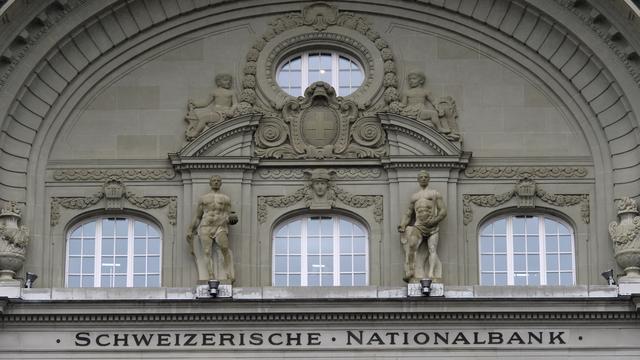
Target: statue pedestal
{"points": [[11, 288], [628, 285], [224, 291], [415, 290]]}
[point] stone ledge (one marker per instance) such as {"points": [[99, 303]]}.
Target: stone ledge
{"points": [[318, 293]]}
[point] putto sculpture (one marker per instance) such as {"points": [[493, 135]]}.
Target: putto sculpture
{"points": [[220, 105], [625, 235], [14, 238], [210, 226], [420, 232], [417, 102]]}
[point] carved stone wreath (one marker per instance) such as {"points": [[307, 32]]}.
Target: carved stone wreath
{"points": [[334, 194], [114, 193], [524, 185]]}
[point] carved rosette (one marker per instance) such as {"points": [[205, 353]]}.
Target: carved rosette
{"points": [[625, 235], [320, 125], [14, 239]]}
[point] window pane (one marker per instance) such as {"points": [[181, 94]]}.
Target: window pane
{"points": [[327, 245], [345, 263], [550, 226], [533, 262], [486, 244], [87, 281], [88, 247], [566, 262], [552, 262], [121, 246], [532, 244], [501, 262], [486, 263], [89, 229], [121, 227], [139, 280], [281, 264], [108, 227], [487, 230], [500, 227], [73, 281], [501, 279], [139, 264], [139, 246], [500, 244], [566, 278], [565, 243], [314, 280], [153, 246], [120, 281], [345, 228], [359, 263], [327, 280], [313, 226], [327, 263], [153, 264], [553, 278], [486, 279], [345, 280], [121, 265], [294, 245], [294, 264], [280, 245], [532, 225], [153, 281], [518, 243], [518, 225], [345, 245], [359, 245], [520, 279], [139, 228], [313, 245], [320, 66], [77, 232], [534, 278], [295, 280], [74, 247], [88, 264], [552, 243], [313, 263], [359, 280], [107, 246], [519, 262], [280, 280], [74, 265]]}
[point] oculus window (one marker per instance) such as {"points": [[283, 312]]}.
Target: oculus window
{"points": [[527, 250], [113, 252], [343, 72], [320, 251]]}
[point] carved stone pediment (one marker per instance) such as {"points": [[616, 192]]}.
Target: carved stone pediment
{"points": [[320, 125]]}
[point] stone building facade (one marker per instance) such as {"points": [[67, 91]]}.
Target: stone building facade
{"points": [[318, 118]]}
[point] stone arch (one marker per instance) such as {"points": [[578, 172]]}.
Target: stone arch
{"points": [[601, 83]]}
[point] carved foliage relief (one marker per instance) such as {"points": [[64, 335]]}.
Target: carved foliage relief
{"points": [[324, 196], [114, 194], [525, 191]]}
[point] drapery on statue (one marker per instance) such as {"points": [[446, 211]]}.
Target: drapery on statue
{"points": [[419, 232], [418, 103], [220, 106], [211, 226]]}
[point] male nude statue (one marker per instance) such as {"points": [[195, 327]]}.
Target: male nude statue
{"points": [[211, 225], [419, 103], [420, 223]]}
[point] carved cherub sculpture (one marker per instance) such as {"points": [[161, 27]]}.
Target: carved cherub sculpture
{"points": [[220, 106], [418, 102]]}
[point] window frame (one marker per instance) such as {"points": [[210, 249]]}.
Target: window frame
{"points": [[542, 251], [97, 253], [336, 253], [335, 70]]}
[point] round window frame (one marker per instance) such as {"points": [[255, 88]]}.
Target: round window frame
{"points": [[343, 41]]}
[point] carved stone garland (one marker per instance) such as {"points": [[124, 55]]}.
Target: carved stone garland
{"points": [[349, 173], [525, 191], [114, 193], [306, 194]]}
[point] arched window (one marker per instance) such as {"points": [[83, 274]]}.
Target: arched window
{"points": [[113, 252], [320, 251], [527, 250], [340, 70]]}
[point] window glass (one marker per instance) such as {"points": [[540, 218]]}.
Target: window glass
{"points": [[321, 251], [341, 71], [526, 250], [127, 250]]}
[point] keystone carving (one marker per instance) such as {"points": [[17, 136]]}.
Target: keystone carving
{"points": [[526, 191], [625, 235], [320, 193], [114, 192], [14, 238], [320, 126]]}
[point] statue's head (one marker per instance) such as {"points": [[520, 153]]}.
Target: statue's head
{"points": [[416, 79], [320, 181], [224, 81], [423, 178], [215, 182]]}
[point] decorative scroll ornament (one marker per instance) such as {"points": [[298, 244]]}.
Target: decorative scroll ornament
{"points": [[350, 173], [524, 172], [320, 193], [14, 239], [526, 190], [625, 235], [114, 192], [105, 174], [320, 126]]}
